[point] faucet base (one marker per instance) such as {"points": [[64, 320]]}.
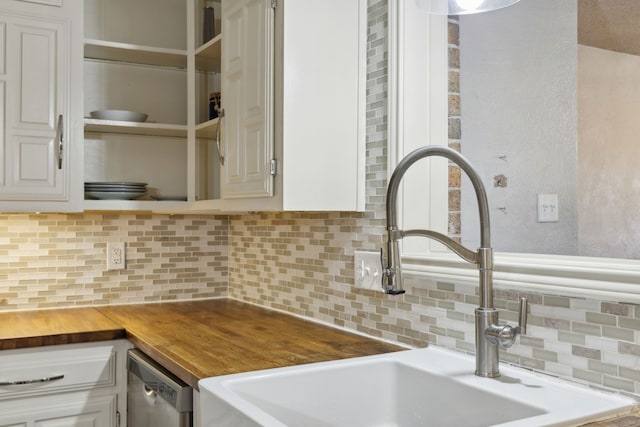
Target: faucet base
{"points": [[487, 360]]}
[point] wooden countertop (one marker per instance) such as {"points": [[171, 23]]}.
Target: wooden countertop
{"points": [[193, 339], [630, 420], [201, 339], [51, 327]]}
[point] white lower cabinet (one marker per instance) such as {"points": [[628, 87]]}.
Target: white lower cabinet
{"points": [[197, 417], [67, 385], [68, 409]]}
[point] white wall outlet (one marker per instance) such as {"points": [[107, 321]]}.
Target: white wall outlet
{"points": [[116, 258], [367, 270], [547, 207]]}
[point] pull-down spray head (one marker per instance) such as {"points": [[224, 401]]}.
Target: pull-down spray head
{"points": [[392, 277]]}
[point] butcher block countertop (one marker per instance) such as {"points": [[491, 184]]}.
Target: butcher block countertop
{"points": [[193, 339], [199, 339], [24, 329]]}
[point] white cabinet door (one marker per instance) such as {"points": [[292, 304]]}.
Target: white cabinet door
{"points": [[293, 90], [37, 130], [64, 385], [67, 410], [323, 104], [247, 88]]}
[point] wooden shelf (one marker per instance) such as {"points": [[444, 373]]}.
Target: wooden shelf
{"points": [[134, 128], [209, 54], [135, 54], [136, 205], [207, 130]]}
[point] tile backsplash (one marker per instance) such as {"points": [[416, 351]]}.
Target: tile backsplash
{"points": [[54, 260], [302, 263]]}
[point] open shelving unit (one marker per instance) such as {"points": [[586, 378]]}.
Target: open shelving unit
{"points": [[209, 54], [134, 128], [134, 54], [113, 45]]}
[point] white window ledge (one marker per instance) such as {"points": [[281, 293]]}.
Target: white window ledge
{"points": [[596, 278]]}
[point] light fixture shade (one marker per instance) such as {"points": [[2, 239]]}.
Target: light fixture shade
{"points": [[462, 7]]}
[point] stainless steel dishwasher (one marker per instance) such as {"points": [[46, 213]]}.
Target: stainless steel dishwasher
{"points": [[155, 397]]}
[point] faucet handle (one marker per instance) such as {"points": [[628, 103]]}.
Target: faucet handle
{"points": [[522, 317], [505, 335]]}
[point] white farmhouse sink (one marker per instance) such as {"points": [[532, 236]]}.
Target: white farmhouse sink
{"points": [[426, 387]]}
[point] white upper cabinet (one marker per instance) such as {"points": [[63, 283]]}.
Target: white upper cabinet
{"points": [[289, 78], [321, 113], [293, 94], [40, 92]]}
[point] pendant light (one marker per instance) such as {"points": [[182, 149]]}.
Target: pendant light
{"points": [[462, 7]]}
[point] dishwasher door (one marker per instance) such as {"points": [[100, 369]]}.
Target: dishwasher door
{"points": [[155, 397]]}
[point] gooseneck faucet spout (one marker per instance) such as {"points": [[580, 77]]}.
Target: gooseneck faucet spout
{"points": [[489, 334]]}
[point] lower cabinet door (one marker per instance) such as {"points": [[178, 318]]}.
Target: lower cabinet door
{"points": [[63, 410]]}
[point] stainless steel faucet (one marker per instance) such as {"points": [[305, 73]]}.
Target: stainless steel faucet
{"points": [[489, 334]]}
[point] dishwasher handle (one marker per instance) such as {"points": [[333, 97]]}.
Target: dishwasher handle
{"points": [[157, 379]]}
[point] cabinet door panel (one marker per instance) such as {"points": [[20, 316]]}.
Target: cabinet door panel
{"points": [[3, 133], [37, 77], [255, 152], [34, 157], [3, 49], [247, 87], [324, 84], [62, 410], [41, 80], [34, 91]]}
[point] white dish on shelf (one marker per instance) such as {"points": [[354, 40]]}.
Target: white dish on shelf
{"points": [[114, 195], [119, 115], [114, 186], [170, 198], [122, 183]]}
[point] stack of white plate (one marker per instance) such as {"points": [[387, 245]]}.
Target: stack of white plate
{"points": [[114, 190]]}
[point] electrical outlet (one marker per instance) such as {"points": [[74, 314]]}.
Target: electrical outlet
{"points": [[367, 270], [115, 256]]}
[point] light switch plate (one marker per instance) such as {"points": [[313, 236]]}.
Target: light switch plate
{"points": [[547, 207], [367, 270]]}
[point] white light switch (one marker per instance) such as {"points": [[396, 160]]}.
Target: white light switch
{"points": [[367, 270], [547, 207]]}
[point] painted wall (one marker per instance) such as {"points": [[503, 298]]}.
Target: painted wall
{"points": [[608, 106], [518, 101]]}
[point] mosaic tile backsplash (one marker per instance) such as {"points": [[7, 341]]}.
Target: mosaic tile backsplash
{"points": [[60, 260], [302, 263]]}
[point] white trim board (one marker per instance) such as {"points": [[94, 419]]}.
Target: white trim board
{"points": [[583, 277]]}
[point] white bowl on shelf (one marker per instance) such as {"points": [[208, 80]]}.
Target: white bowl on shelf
{"points": [[119, 115]]}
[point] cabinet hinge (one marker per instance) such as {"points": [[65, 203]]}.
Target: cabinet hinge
{"points": [[274, 4], [274, 167]]}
